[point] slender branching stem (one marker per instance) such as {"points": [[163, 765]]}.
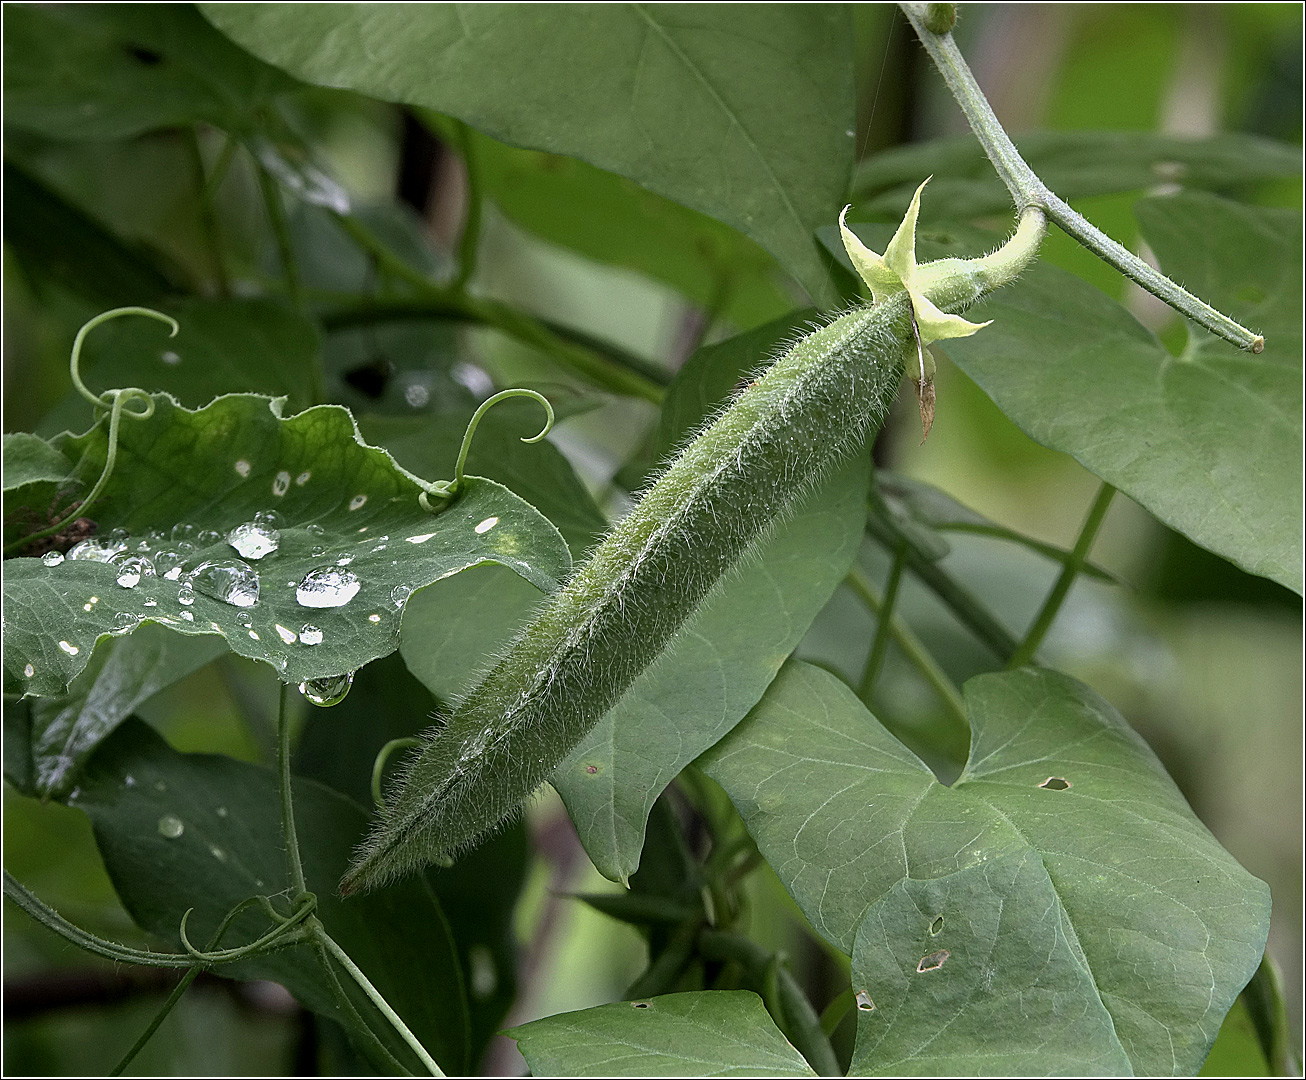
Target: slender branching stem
{"points": [[1073, 565], [470, 241], [438, 301], [276, 211], [159, 1017], [207, 214], [84, 939], [880, 645], [294, 862], [1029, 191], [366, 986], [912, 647]]}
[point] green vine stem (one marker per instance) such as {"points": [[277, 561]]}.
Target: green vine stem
{"points": [[1027, 190], [276, 211], [306, 902], [370, 1042], [116, 401], [448, 489], [880, 645], [208, 218], [797, 1017], [177, 992], [469, 242], [912, 648], [1078, 556], [84, 939], [601, 370], [968, 609], [287, 931], [384, 1006], [382, 756]]}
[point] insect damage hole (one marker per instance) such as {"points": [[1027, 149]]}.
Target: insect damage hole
{"points": [[932, 962], [641, 1004], [864, 1002], [1055, 783], [936, 925]]}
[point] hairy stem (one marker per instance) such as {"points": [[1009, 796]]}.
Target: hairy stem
{"points": [[84, 939], [1078, 556], [1029, 191]]}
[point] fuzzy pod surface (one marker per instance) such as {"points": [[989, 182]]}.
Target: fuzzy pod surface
{"points": [[818, 403]]}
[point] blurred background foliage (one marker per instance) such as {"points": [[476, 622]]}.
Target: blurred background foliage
{"points": [[1203, 659]]}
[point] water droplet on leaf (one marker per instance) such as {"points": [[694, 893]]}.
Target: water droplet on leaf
{"points": [[328, 691], [399, 594], [310, 635], [254, 540], [132, 569], [186, 595], [97, 549], [229, 580], [327, 587], [125, 621], [52, 558], [170, 826]]}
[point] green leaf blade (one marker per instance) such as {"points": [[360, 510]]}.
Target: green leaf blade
{"points": [[243, 457], [1209, 442], [703, 1033], [669, 96], [1061, 809]]}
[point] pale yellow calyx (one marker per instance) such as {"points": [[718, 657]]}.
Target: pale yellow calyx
{"points": [[897, 271]]}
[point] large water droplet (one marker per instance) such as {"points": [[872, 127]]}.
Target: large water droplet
{"points": [[186, 595], [170, 825], [125, 621], [328, 691], [327, 587], [315, 529], [208, 536], [97, 549], [229, 580], [132, 569], [184, 531], [254, 540], [168, 563], [52, 558], [310, 635]]}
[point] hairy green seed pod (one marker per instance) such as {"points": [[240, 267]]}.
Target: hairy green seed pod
{"points": [[816, 404]]}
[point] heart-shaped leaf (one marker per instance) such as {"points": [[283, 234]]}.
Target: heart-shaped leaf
{"points": [[1063, 870], [704, 1033], [316, 591], [1210, 441]]}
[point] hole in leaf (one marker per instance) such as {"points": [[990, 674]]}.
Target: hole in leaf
{"points": [[936, 925], [1055, 783], [932, 962], [641, 1004], [591, 769], [864, 1002], [148, 57]]}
